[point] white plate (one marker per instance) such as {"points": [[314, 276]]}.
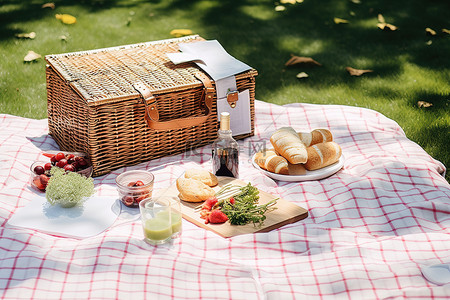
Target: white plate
{"points": [[95, 216], [437, 274], [310, 175]]}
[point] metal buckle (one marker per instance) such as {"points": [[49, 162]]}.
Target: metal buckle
{"points": [[232, 98]]}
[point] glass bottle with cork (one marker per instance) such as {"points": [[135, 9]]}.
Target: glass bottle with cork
{"points": [[225, 150]]}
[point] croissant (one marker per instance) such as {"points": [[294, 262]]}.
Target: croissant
{"points": [[315, 137], [322, 155], [270, 161], [298, 169], [288, 144]]}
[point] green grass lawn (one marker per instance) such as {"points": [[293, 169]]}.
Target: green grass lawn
{"points": [[409, 65]]}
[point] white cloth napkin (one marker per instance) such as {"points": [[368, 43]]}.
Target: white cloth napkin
{"points": [[94, 217], [211, 57]]}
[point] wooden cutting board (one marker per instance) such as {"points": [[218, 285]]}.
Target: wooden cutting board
{"points": [[285, 213]]}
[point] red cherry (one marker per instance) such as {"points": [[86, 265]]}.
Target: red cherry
{"points": [[60, 156], [82, 162], [128, 200], [44, 179], [139, 183], [53, 159], [130, 184], [69, 156], [75, 165], [39, 170], [69, 168], [61, 163], [38, 184], [47, 166]]}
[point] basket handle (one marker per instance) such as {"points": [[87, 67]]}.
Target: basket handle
{"points": [[152, 114]]}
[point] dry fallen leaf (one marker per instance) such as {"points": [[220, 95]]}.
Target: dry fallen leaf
{"points": [[430, 31], [357, 72], [31, 56], [280, 8], [180, 32], [340, 21], [424, 104], [299, 60], [288, 1], [30, 35], [428, 43], [300, 1], [66, 19], [48, 5], [302, 75], [356, 1], [445, 31], [387, 27]]}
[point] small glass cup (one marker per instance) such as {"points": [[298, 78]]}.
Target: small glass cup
{"points": [[176, 217], [134, 186], [156, 220], [35, 180]]}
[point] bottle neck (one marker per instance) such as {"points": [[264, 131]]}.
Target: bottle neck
{"points": [[225, 121], [224, 133]]}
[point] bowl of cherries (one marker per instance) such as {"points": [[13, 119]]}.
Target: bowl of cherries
{"points": [[134, 186], [70, 162]]}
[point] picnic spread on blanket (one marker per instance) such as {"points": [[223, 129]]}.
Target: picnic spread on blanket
{"points": [[160, 177]]}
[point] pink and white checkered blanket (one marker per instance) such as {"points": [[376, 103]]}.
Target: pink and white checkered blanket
{"points": [[371, 227]]}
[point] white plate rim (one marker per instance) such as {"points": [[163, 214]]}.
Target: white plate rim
{"points": [[310, 175]]}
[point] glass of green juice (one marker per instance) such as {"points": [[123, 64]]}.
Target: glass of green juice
{"points": [[156, 220], [175, 216]]}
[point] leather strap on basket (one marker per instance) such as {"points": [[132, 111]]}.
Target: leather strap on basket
{"points": [[152, 114]]}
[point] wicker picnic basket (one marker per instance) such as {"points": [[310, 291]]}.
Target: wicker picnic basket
{"points": [[129, 104]]}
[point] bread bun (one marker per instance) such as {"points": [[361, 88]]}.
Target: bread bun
{"points": [[193, 190], [288, 144], [270, 161], [203, 176], [298, 169], [316, 136], [322, 155]]}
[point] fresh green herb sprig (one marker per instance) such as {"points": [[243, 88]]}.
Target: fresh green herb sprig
{"points": [[228, 191], [245, 208], [68, 189]]}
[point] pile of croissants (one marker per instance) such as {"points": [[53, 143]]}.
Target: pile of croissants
{"points": [[295, 152]]}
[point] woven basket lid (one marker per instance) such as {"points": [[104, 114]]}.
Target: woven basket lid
{"points": [[108, 75]]}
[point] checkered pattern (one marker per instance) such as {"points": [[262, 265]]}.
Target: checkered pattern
{"points": [[371, 226]]}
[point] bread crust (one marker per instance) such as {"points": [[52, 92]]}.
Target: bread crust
{"points": [[298, 169], [320, 135], [288, 144], [270, 161], [192, 190], [202, 175], [322, 155]]}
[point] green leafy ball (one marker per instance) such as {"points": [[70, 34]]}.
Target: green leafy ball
{"points": [[68, 189]]}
